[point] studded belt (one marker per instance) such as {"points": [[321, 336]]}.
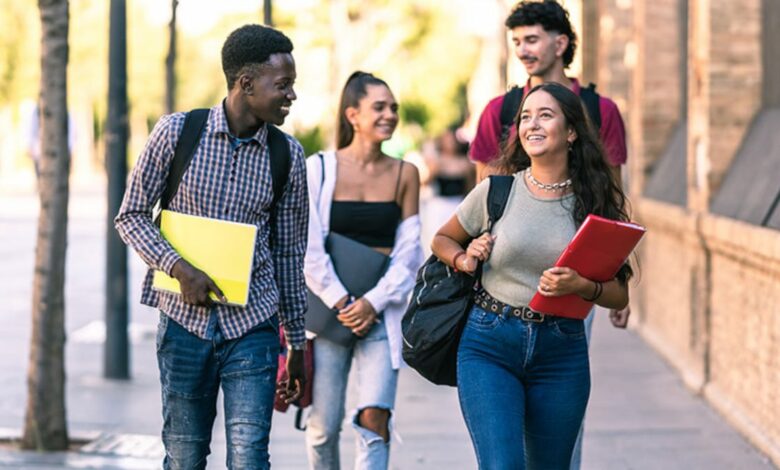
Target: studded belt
{"points": [[490, 304]]}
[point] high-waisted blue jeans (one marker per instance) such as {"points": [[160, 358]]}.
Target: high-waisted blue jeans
{"points": [[191, 372], [523, 389]]}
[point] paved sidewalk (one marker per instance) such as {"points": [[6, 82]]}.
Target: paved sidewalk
{"points": [[640, 416]]}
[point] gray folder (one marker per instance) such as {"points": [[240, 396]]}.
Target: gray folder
{"points": [[359, 267]]}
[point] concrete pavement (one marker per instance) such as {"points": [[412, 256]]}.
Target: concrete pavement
{"points": [[640, 416]]}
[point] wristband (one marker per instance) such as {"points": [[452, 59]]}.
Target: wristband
{"points": [[455, 260], [597, 290]]}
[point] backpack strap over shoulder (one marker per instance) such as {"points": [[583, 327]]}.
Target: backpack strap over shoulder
{"points": [[498, 195], [194, 123], [509, 107], [590, 99], [279, 150]]}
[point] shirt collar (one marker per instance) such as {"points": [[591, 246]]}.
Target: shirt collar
{"points": [[218, 124], [575, 86]]}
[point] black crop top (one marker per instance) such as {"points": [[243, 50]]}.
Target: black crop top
{"points": [[372, 223]]}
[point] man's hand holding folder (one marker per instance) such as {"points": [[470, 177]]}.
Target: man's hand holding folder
{"points": [[196, 286]]}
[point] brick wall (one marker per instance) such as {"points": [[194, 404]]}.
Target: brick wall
{"points": [[708, 296]]}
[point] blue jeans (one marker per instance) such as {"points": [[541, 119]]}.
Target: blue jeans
{"points": [[191, 372], [523, 389], [376, 386]]}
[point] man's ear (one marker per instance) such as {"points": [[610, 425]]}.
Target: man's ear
{"points": [[561, 43], [246, 84]]}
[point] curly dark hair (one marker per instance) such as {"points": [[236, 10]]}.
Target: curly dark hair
{"points": [[551, 16], [595, 189], [251, 45], [354, 90]]}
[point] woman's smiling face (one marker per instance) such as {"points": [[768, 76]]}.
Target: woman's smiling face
{"points": [[543, 129], [376, 116]]}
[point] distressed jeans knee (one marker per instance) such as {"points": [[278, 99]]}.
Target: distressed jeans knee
{"points": [[373, 452], [185, 452], [249, 445]]}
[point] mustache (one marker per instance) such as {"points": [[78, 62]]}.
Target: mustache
{"points": [[528, 57]]}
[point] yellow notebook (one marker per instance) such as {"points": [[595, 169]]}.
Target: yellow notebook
{"points": [[223, 250]]}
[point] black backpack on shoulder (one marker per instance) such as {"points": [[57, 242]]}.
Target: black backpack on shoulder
{"points": [[194, 123], [440, 304], [514, 97]]}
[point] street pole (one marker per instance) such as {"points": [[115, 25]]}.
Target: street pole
{"points": [[267, 17], [170, 62], [115, 354]]}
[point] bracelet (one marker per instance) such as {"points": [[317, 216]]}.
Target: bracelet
{"points": [[597, 290], [455, 260]]}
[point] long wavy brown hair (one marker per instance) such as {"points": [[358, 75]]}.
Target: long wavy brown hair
{"points": [[595, 189]]}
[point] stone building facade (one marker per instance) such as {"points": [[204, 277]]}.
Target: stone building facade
{"points": [[698, 82]]}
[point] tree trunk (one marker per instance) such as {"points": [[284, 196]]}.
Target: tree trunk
{"points": [[170, 63], [45, 425]]}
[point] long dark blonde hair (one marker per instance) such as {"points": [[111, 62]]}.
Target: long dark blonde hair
{"points": [[595, 189]]}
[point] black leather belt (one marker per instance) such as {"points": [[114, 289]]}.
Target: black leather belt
{"points": [[489, 304]]}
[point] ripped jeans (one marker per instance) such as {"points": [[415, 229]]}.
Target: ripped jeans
{"points": [[191, 372], [375, 387]]}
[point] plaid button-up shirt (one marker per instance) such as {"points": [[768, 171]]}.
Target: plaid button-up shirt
{"points": [[227, 180]]}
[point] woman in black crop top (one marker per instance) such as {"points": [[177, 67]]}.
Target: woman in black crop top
{"points": [[361, 193]]}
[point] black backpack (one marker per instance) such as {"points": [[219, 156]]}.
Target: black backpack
{"points": [[194, 123], [440, 304], [514, 97]]}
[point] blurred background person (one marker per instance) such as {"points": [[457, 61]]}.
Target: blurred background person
{"points": [[449, 177]]}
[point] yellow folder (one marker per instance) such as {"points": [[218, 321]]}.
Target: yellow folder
{"points": [[223, 250]]}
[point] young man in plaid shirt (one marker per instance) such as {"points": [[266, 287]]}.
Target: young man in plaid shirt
{"points": [[203, 345]]}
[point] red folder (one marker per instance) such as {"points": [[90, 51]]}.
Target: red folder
{"points": [[597, 251]]}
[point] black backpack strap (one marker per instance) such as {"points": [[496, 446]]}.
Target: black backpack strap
{"points": [[509, 107], [498, 194], [194, 123], [590, 99], [279, 150], [299, 421]]}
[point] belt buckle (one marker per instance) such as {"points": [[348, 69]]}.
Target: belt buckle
{"points": [[530, 315]]}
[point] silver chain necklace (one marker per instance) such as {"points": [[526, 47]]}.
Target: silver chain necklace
{"points": [[547, 187]]}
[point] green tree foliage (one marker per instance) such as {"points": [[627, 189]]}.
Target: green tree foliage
{"points": [[416, 45]]}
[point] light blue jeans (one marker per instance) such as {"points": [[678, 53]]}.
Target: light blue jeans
{"points": [[576, 457], [376, 386]]}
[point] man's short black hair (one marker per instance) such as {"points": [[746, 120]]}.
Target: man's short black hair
{"points": [[249, 45], [550, 15]]}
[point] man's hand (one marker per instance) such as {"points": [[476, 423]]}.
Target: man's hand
{"points": [[619, 318], [359, 316], [291, 388], [195, 284]]}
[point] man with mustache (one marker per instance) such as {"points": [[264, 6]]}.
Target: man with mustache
{"points": [[203, 346], [545, 43]]}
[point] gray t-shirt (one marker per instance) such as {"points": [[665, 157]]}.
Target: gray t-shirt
{"points": [[530, 237]]}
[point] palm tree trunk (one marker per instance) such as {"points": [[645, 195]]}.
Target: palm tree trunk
{"points": [[45, 425]]}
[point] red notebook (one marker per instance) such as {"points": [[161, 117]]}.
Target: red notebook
{"points": [[597, 251]]}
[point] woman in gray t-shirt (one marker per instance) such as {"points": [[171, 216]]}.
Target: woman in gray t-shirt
{"points": [[523, 377]]}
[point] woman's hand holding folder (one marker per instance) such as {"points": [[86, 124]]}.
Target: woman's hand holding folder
{"points": [[196, 286]]}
